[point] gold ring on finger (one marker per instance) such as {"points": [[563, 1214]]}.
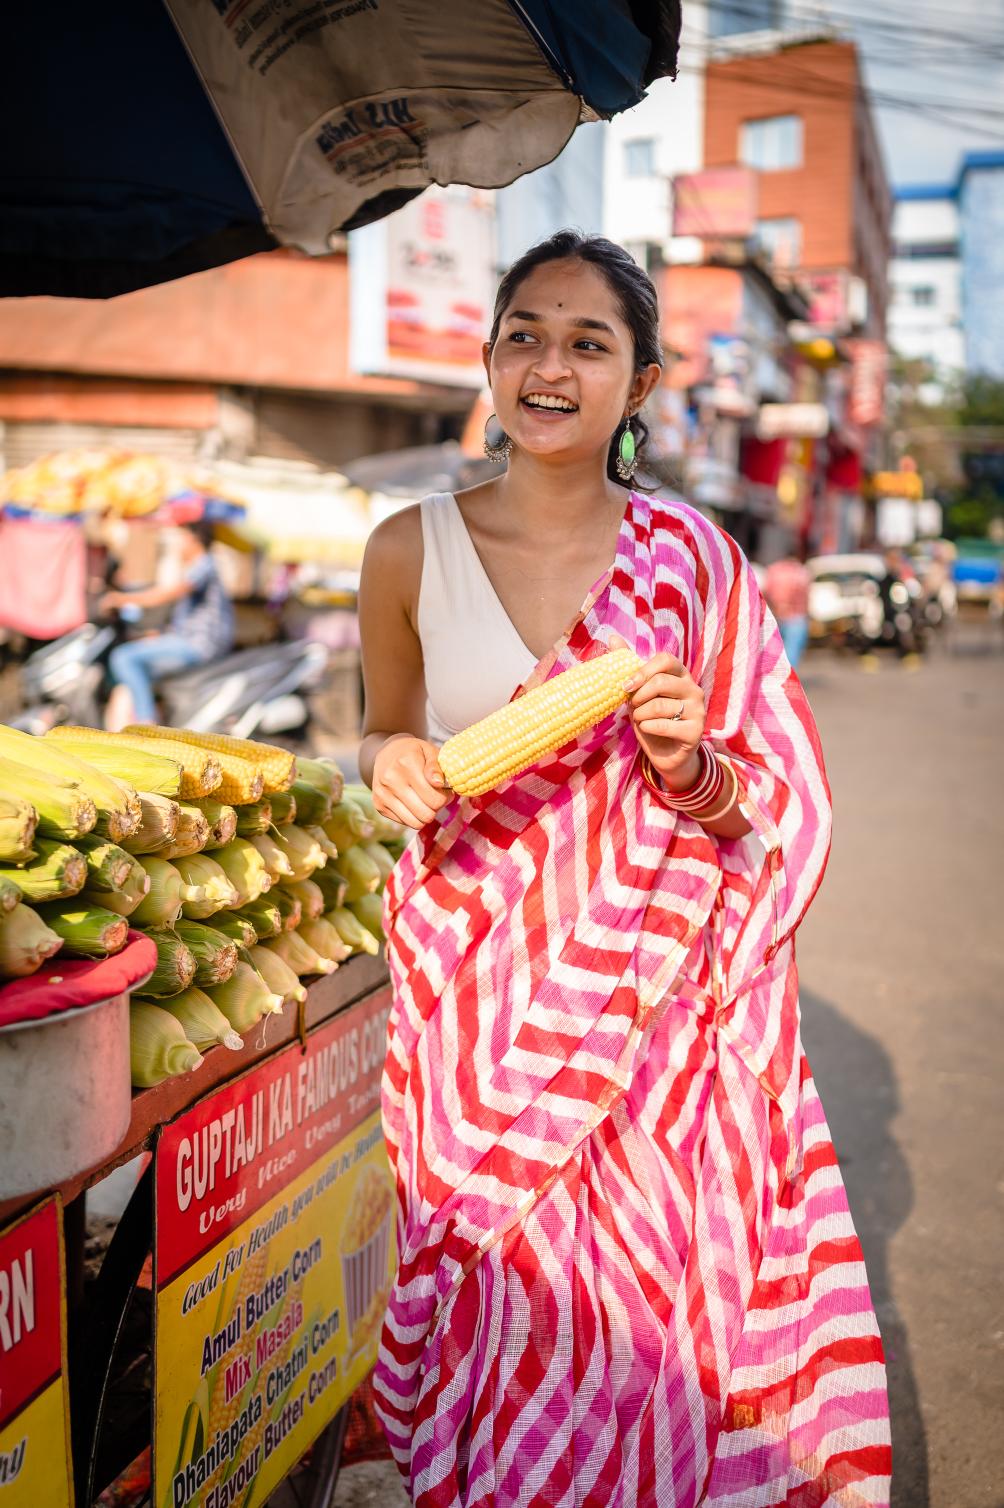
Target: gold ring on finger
{"points": [[677, 715]]}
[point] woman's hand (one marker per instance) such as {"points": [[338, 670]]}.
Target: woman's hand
{"points": [[408, 784], [667, 713]]}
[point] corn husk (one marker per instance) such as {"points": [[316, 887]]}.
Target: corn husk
{"points": [[158, 827], [108, 865], [215, 954], [254, 818], [192, 835], [381, 858], [302, 850], [310, 896], [245, 997], [56, 871], [324, 939], [263, 915], [368, 910], [245, 869], [348, 824], [168, 892], [86, 931], [277, 974], [222, 821], [323, 773], [10, 895], [321, 838], [295, 951], [332, 885], [63, 808], [18, 821], [385, 829], [158, 1046], [205, 874], [25, 942], [352, 932], [276, 861], [283, 805], [203, 1021], [124, 900], [239, 928], [175, 968], [362, 877], [116, 803], [313, 805], [143, 769], [289, 906]]}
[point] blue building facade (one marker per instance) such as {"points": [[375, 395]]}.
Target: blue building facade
{"points": [[981, 213]]}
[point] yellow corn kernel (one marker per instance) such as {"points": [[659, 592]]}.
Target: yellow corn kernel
{"points": [[277, 766], [200, 771], [516, 736]]}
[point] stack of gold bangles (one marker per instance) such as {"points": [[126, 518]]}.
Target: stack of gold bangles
{"points": [[713, 794]]}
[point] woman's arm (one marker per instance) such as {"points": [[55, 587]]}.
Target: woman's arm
{"points": [[396, 757]]}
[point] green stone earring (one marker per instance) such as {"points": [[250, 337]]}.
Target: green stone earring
{"points": [[627, 452]]}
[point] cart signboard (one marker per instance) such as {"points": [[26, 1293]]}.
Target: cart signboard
{"points": [[34, 1415], [274, 1255]]}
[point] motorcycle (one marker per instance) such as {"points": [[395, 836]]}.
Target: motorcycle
{"points": [[260, 691]]}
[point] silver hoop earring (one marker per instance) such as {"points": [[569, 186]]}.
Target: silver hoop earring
{"points": [[497, 450]]}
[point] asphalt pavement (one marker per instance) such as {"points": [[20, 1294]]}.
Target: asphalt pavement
{"points": [[902, 970]]}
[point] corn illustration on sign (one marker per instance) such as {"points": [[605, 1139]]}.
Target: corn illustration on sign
{"points": [[34, 1433], [274, 1255]]}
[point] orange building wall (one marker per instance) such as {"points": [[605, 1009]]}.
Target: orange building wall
{"points": [[278, 320], [840, 192]]}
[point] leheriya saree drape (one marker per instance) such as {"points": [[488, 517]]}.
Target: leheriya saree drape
{"points": [[628, 1274]]}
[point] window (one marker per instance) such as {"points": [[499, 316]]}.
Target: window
{"points": [[781, 239], [771, 144], [923, 295], [639, 157]]}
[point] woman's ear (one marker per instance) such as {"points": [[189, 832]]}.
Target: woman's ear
{"points": [[644, 382], [486, 357]]}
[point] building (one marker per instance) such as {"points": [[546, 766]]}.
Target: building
{"points": [[925, 310], [980, 194], [799, 116]]}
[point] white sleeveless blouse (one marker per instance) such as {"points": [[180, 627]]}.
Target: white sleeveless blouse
{"points": [[474, 659]]}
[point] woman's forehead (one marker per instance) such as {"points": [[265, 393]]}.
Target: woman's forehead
{"points": [[567, 287]]}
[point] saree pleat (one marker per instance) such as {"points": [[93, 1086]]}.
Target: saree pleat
{"points": [[628, 1274]]}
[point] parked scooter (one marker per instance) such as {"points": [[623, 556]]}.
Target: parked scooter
{"points": [[259, 691]]}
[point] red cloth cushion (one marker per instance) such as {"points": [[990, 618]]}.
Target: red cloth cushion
{"points": [[63, 984]]}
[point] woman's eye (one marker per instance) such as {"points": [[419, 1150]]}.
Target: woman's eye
{"points": [[519, 336], [593, 345]]}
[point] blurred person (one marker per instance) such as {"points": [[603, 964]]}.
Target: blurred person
{"points": [[624, 1240], [900, 627], [786, 587], [200, 629]]}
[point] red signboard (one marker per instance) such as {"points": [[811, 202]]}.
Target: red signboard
{"points": [[715, 202], [34, 1439], [866, 403]]}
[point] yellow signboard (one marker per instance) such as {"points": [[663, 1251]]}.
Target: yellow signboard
{"points": [[274, 1261], [34, 1423]]}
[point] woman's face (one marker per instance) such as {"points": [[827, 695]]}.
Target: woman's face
{"points": [[562, 372]]}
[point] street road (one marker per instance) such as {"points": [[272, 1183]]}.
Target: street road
{"points": [[903, 1019]]}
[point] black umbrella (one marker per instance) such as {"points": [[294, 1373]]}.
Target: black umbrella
{"points": [[130, 156]]}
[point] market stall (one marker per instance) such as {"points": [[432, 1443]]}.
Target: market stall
{"points": [[207, 1352]]}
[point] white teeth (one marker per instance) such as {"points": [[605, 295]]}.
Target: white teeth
{"points": [[548, 400]]}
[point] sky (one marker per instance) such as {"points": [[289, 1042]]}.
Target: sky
{"points": [[936, 73]]}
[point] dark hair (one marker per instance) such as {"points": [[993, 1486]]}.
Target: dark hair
{"points": [[203, 531], [630, 284]]}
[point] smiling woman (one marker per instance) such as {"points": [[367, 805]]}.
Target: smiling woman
{"points": [[628, 1274]]}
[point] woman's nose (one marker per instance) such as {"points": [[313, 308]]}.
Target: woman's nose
{"points": [[552, 364]]}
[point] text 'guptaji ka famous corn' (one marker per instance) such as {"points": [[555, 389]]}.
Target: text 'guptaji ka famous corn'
{"points": [[516, 736]]}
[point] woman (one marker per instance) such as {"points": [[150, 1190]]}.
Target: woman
{"points": [[628, 1273]]}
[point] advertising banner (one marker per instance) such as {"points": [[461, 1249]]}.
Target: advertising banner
{"points": [[34, 1413], [715, 202], [421, 285], [273, 1260]]}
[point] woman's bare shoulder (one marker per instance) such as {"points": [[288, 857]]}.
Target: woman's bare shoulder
{"points": [[396, 537]]}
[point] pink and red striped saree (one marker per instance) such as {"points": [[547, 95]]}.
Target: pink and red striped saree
{"points": [[628, 1274]]}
